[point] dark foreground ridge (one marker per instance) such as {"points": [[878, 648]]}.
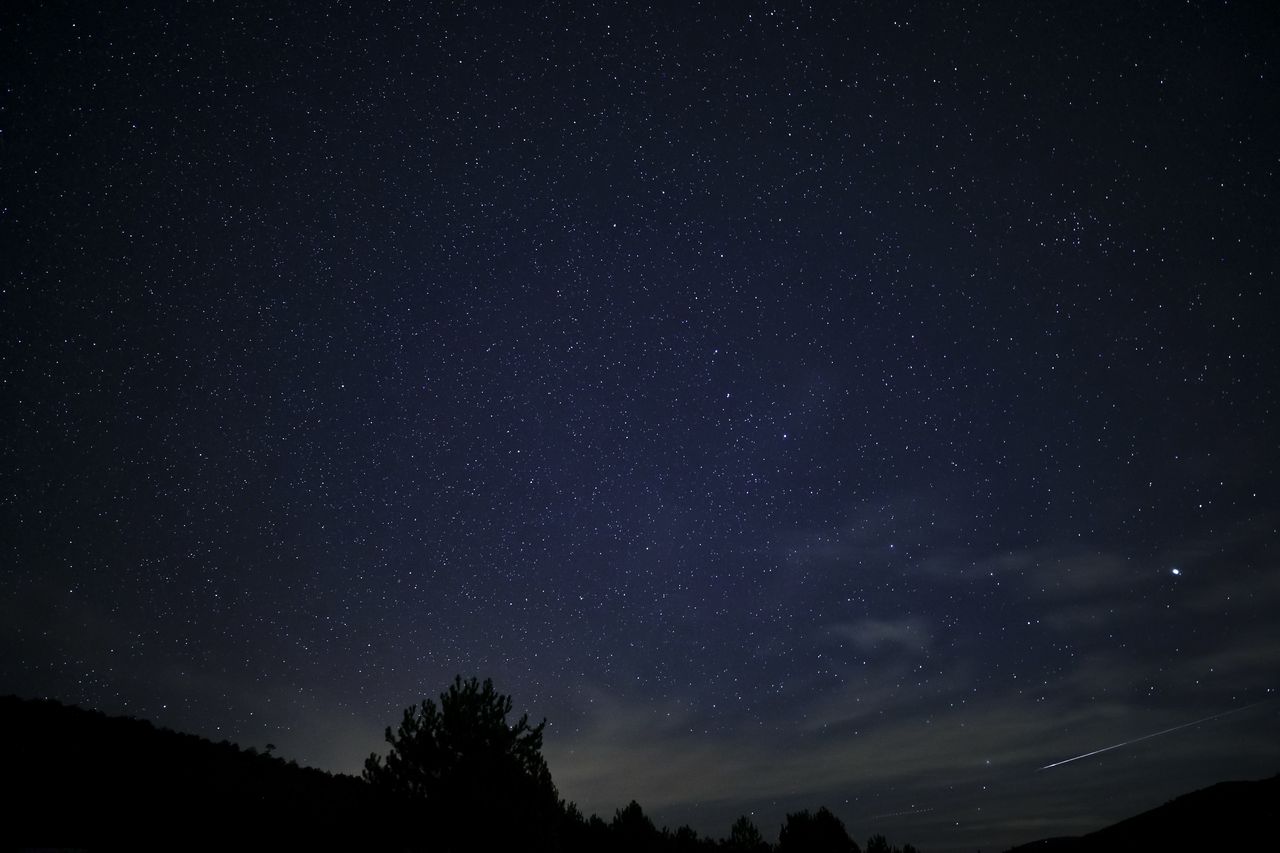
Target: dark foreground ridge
{"points": [[80, 777], [1225, 816], [83, 779]]}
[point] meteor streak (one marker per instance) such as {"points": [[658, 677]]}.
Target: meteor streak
{"points": [[1150, 736]]}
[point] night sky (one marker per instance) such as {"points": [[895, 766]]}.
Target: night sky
{"points": [[797, 404]]}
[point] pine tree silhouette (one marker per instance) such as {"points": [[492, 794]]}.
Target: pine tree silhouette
{"points": [[459, 769]]}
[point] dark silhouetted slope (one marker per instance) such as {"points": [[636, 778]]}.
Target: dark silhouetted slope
{"points": [[78, 777], [1223, 816]]}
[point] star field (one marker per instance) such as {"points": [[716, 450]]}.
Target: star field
{"points": [[799, 403]]}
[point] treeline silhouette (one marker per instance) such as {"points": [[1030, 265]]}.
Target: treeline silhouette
{"points": [[457, 777]]}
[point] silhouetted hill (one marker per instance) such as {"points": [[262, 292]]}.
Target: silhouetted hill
{"points": [[77, 777], [1223, 816], [80, 779]]}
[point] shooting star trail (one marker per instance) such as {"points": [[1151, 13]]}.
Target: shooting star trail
{"points": [[1155, 734]]}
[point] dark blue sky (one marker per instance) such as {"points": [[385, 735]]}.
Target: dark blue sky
{"points": [[848, 404]]}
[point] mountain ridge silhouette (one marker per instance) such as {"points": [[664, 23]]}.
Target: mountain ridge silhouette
{"points": [[1221, 816], [80, 777]]}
